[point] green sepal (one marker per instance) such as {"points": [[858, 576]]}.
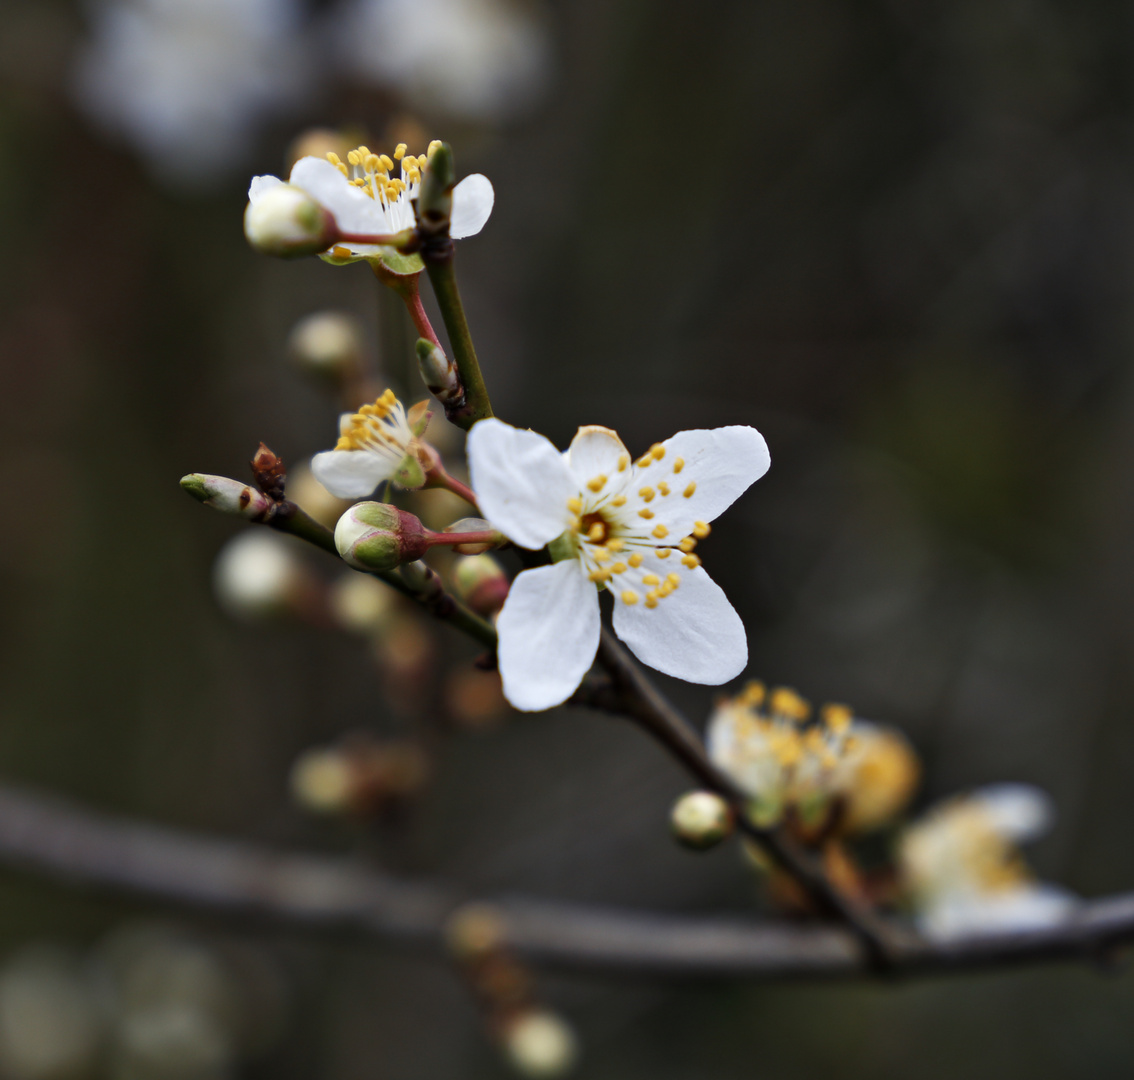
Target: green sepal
{"points": [[409, 474], [563, 547], [396, 263]]}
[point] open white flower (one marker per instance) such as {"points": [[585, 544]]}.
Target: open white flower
{"points": [[377, 443], [962, 869], [628, 526], [370, 195]]}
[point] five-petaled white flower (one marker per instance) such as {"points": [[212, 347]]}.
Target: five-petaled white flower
{"points": [[371, 194], [629, 526], [379, 442]]}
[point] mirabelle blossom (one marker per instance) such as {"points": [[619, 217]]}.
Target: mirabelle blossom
{"points": [[377, 443], [962, 870], [615, 523], [371, 194]]}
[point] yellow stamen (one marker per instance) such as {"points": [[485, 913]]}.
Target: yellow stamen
{"points": [[599, 576], [629, 597], [701, 529], [673, 579], [618, 500], [651, 579], [575, 505], [596, 483], [623, 461], [615, 544], [400, 151], [661, 532], [595, 534], [618, 568], [663, 488], [753, 693], [657, 451], [688, 544], [635, 560], [691, 561], [647, 514], [678, 464], [644, 461], [600, 555], [651, 599], [837, 718], [688, 492], [340, 252], [786, 702], [663, 553], [647, 493]]}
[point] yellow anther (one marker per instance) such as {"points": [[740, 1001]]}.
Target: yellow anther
{"points": [[421, 161], [600, 555], [400, 151], [753, 693], [691, 561], [353, 157], [701, 529], [786, 702], [615, 544], [837, 718], [373, 163], [575, 505], [635, 560], [663, 553], [651, 599], [596, 483], [623, 461], [688, 492], [599, 576], [432, 148], [663, 488], [618, 568], [340, 252], [574, 523], [618, 500], [596, 531], [364, 151], [647, 514], [661, 532], [629, 597], [333, 158], [678, 464], [657, 451], [673, 579], [644, 461], [385, 162], [651, 579], [687, 545], [647, 493], [665, 590]]}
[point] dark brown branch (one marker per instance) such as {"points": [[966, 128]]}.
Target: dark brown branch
{"points": [[631, 694], [322, 893]]}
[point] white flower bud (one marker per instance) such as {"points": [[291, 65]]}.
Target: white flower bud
{"points": [[327, 344], [256, 576], [701, 819], [539, 1044], [377, 536], [227, 496], [285, 221], [440, 374]]}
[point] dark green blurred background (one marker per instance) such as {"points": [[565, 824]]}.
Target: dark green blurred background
{"points": [[895, 236]]}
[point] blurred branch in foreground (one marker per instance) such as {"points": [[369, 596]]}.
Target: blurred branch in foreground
{"points": [[323, 893]]}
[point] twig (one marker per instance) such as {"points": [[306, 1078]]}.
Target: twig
{"points": [[320, 893]]}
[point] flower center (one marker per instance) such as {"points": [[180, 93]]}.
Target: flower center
{"points": [[372, 172], [379, 427]]}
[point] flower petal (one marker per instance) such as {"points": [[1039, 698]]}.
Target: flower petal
{"points": [[350, 474], [693, 634], [473, 198], [707, 470], [549, 634], [521, 482], [354, 211], [260, 184], [1018, 812], [594, 451]]}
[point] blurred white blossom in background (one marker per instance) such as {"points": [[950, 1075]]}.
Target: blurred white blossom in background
{"points": [[480, 60], [189, 82]]}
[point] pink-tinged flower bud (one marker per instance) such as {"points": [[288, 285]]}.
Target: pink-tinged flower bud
{"points": [[285, 221], [480, 583], [475, 525], [377, 536], [227, 496], [701, 820]]}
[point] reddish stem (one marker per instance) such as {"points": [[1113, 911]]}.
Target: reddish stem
{"points": [[486, 536], [411, 297]]}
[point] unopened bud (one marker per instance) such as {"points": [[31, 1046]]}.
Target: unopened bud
{"points": [[284, 220], [540, 1045], [228, 496], [327, 344], [321, 782], [471, 525], [362, 604], [440, 374], [435, 197], [701, 820], [377, 536], [480, 582], [361, 776], [257, 576]]}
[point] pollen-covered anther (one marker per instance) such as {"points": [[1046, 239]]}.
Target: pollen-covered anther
{"points": [[691, 561], [645, 513], [575, 505], [600, 555], [657, 451], [651, 579], [635, 560], [687, 545], [623, 462], [618, 500], [618, 568], [629, 597], [663, 488], [663, 553], [673, 580], [678, 464], [596, 533], [692, 487], [837, 718], [614, 544], [661, 532], [597, 483], [701, 529], [651, 599], [647, 493], [599, 576], [786, 702]]}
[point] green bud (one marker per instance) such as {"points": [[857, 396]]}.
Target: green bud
{"points": [[439, 374], [701, 820], [435, 199], [480, 583], [377, 536]]}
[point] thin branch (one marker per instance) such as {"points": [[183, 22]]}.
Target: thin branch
{"points": [[321, 893]]}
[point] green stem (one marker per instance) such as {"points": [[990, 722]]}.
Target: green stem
{"points": [[444, 281]]}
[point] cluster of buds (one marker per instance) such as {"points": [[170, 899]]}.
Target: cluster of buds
{"points": [[831, 775], [537, 1042]]}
